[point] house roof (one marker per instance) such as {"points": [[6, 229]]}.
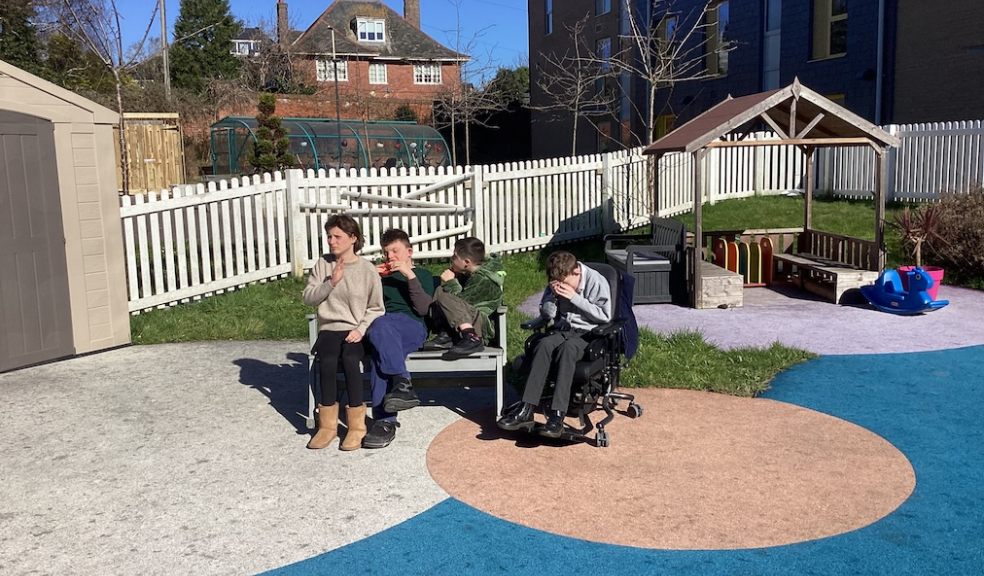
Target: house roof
{"points": [[402, 40], [816, 119], [254, 33]]}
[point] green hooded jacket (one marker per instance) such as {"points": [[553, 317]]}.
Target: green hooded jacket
{"points": [[483, 290]]}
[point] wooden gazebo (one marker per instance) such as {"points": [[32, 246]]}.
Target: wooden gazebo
{"points": [[800, 117]]}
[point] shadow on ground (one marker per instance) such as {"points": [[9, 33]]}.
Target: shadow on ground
{"points": [[285, 385]]}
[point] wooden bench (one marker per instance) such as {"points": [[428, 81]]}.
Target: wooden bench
{"points": [[428, 363], [826, 278]]}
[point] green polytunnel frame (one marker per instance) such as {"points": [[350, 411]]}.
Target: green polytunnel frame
{"points": [[321, 143]]}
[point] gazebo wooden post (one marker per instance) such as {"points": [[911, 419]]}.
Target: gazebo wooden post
{"points": [[698, 255], [654, 174], [881, 189], [811, 183]]}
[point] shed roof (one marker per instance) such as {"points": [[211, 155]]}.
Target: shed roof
{"points": [[60, 105], [811, 116], [403, 40]]}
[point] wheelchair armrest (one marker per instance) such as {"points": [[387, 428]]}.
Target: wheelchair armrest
{"points": [[535, 324], [607, 329]]}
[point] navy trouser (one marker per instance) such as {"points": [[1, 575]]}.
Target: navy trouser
{"points": [[393, 337]]}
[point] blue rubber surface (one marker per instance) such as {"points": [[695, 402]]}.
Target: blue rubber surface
{"points": [[929, 405]]}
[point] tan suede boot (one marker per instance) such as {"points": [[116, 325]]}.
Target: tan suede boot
{"points": [[327, 427], [356, 418]]}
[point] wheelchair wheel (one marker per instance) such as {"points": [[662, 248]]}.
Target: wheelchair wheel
{"points": [[601, 438], [634, 410]]}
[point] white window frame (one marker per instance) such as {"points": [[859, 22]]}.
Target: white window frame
{"points": [[244, 47], [378, 78], [823, 24], [548, 17], [370, 26], [427, 73], [717, 45], [602, 7], [326, 73]]}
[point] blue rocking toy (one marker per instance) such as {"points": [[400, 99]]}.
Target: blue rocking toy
{"points": [[887, 295]]}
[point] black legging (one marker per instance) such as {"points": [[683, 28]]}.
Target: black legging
{"points": [[331, 346]]}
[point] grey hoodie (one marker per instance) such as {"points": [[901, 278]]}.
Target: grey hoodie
{"points": [[591, 306]]}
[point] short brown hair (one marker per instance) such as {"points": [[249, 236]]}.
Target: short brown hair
{"points": [[394, 235], [470, 248], [346, 224], [560, 265]]}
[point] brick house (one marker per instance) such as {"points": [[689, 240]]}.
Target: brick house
{"points": [[383, 61]]}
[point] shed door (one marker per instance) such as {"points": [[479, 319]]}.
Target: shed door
{"points": [[35, 312]]}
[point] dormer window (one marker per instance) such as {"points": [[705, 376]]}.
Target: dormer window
{"points": [[371, 29]]}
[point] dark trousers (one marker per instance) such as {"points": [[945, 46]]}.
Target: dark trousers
{"points": [[393, 337], [331, 348], [452, 311], [561, 349]]}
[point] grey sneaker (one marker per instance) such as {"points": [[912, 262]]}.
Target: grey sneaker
{"points": [[381, 434]]}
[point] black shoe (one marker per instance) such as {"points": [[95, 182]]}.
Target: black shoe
{"points": [[442, 341], [401, 397], [554, 426], [521, 419], [470, 344], [381, 434]]}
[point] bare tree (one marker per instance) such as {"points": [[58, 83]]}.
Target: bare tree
{"points": [[95, 24], [465, 102], [570, 83], [665, 47]]}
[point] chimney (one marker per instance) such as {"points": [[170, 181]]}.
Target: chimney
{"points": [[411, 12], [283, 27]]}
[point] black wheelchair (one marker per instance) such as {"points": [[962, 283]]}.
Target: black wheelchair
{"points": [[596, 374]]}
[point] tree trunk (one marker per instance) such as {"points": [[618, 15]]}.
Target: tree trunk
{"points": [[467, 143], [124, 156]]}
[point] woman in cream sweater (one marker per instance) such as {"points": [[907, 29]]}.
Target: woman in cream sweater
{"points": [[347, 290]]}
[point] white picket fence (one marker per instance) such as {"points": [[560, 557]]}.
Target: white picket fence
{"points": [[933, 158], [192, 241]]}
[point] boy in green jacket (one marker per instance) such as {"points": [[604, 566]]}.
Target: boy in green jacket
{"points": [[470, 292]]}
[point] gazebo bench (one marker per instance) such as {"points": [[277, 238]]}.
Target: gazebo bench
{"points": [[826, 278], [428, 363]]}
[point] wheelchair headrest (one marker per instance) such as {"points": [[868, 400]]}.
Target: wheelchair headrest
{"points": [[610, 274]]}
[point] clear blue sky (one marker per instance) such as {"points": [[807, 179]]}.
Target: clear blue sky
{"points": [[497, 28]]}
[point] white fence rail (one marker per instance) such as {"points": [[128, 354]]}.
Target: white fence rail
{"points": [[932, 158], [193, 241]]}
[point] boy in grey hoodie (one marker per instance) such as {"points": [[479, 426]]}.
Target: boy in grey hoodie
{"points": [[577, 299]]}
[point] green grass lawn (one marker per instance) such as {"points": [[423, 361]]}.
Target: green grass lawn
{"points": [[273, 310]]}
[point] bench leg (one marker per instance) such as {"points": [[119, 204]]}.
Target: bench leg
{"points": [[499, 386]]}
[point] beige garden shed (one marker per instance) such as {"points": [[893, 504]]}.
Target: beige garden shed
{"points": [[62, 276]]}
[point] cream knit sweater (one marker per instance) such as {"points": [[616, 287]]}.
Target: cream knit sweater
{"points": [[353, 304]]}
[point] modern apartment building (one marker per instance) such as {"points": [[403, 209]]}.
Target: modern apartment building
{"points": [[886, 60]]}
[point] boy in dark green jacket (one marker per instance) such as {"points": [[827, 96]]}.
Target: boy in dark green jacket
{"points": [[470, 292]]}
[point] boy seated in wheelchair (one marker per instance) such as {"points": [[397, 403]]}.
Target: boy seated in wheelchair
{"points": [[576, 299]]}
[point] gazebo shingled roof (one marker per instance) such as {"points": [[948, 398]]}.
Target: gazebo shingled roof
{"points": [[816, 118], [800, 117]]}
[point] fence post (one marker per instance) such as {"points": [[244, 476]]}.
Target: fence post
{"points": [[712, 162], [608, 214], [478, 204], [892, 156], [758, 165], [297, 235]]}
